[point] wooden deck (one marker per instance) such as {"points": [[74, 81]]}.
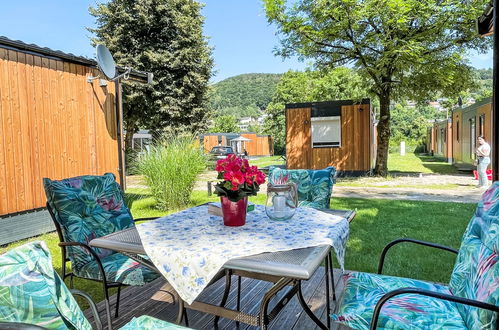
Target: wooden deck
{"points": [[155, 300]]}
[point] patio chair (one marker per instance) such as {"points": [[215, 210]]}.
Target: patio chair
{"points": [[84, 208], [469, 301], [33, 296], [314, 186]]}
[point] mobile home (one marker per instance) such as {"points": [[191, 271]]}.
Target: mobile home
{"points": [[335, 133]]}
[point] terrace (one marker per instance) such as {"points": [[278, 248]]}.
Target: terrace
{"points": [[77, 129]]}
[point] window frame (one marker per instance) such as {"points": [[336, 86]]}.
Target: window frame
{"points": [[332, 144]]}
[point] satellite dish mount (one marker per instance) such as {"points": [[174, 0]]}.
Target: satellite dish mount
{"points": [[107, 66]]}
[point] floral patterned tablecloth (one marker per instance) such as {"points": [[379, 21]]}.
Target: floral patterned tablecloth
{"points": [[191, 246]]}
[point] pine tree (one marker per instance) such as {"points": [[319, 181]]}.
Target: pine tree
{"points": [[163, 37]]}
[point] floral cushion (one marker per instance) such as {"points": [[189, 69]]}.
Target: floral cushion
{"points": [[87, 207], [32, 292], [118, 268], [476, 272], [363, 291], [148, 322], [475, 276], [314, 186]]}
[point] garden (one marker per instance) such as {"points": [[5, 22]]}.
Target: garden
{"points": [[174, 165]]}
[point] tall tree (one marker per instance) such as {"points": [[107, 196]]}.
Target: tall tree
{"points": [[309, 86], [225, 124], [163, 37], [407, 48]]}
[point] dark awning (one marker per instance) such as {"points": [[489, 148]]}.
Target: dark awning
{"points": [[485, 23]]}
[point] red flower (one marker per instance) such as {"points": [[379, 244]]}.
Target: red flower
{"points": [[237, 171]]}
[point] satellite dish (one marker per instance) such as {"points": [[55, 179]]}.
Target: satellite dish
{"points": [[107, 65], [106, 62]]}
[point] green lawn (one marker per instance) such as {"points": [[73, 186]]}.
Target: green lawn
{"points": [[419, 164], [267, 161], [377, 223]]}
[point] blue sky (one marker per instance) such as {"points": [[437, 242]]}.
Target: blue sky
{"points": [[237, 29]]}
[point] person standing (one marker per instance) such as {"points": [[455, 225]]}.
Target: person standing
{"points": [[483, 161]]}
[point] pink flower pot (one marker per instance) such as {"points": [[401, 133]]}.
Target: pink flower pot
{"points": [[234, 213]]}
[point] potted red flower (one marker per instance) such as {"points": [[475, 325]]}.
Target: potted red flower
{"points": [[240, 180]]}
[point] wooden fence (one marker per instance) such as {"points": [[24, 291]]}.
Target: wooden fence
{"points": [[53, 123]]}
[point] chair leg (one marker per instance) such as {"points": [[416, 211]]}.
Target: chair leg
{"points": [[331, 269], [108, 308], [238, 302], [71, 284], [328, 304], [117, 302]]}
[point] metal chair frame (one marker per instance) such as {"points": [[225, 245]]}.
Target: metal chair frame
{"points": [[105, 284], [423, 292]]}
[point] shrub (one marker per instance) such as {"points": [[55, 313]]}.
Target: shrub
{"points": [[170, 169]]}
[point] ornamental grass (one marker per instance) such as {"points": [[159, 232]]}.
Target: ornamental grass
{"points": [[170, 168]]}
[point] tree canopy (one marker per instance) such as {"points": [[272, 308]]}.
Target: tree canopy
{"points": [[243, 95], [309, 86], [163, 37], [224, 124], [408, 49]]}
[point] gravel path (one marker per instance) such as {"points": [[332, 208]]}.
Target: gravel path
{"points": [[424, 187]]}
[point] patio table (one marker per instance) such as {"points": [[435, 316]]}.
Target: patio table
{"points": [[285, 266]]}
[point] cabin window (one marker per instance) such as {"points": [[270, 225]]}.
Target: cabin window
{"points": [[326, 132], [457, 131]]}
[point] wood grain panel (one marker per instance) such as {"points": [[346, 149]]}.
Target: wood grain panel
{"points": [[354, 154], [298, 138], [52, 124], [6, 187]]}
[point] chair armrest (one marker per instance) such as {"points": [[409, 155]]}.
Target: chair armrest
{"points": [[410, 240], [91, 303], [92, 252], [19, 326], [428, 293]]}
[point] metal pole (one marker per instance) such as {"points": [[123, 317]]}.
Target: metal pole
{"points": [[495, 100], [119, 135]]}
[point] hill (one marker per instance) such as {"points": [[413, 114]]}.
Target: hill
{"points": [[244, 95]]}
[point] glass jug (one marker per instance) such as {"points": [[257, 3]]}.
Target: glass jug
{"points": [[282, 201]]}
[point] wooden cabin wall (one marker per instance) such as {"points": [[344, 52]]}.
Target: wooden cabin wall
{"points": [[463, 149], [259, 145], [448, 141], [486, 111], [210, 141], [54, 124], [355, 152], [298, 138], [457, 136]]}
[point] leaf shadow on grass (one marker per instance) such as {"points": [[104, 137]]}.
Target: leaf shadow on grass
{"points": [[437, 164], [379, 222]]}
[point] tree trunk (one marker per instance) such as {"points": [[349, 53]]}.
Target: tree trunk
{"points": [[381, 168], [131, 128]]}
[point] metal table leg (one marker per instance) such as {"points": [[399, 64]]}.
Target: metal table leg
{"points": [[307, 310], [228, 275]]}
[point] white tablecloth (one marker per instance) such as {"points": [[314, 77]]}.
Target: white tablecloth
{"points": [[190, 247]]}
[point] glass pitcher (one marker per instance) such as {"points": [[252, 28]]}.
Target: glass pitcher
{"points": [[282, 201]]}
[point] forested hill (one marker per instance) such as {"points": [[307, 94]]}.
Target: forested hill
{"points": [[244, 95]]}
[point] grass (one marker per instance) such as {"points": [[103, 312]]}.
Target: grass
{"points": [[446, 186], [267, 161], [419, 164], [377, 223]]}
